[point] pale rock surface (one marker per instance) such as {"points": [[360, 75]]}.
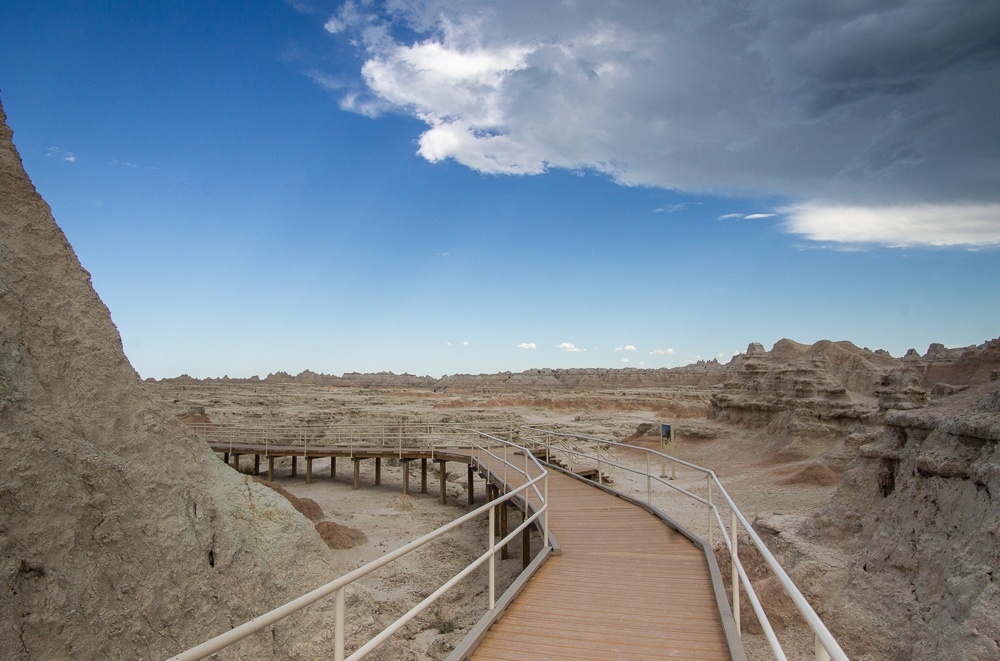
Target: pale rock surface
{"points": [[909, 544], [121, 535]]}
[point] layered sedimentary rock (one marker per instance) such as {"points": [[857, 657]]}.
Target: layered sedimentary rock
{"points": [[807, 397], [121, 535], [918, 515], [956, 367]]}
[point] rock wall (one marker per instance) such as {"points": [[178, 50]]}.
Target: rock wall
{"points": [[121, 536], [957, 367], [810, 398], [918, 515]]}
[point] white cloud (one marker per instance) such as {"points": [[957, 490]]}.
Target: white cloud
{"points": [[661, 352], [624, 360], [914, 225], [61, 154], [631, 90], [465, 344], [749, 216], [570, 347], [627, 347], [527, 345], [671, 208]]}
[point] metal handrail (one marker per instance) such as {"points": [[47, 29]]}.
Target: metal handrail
{"points": [[826, 645], [339, 585]]}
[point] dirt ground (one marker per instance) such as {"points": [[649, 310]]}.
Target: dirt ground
{"points": [[762, 488]]}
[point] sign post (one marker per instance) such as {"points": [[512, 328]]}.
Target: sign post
{"points": [[668, 447]]}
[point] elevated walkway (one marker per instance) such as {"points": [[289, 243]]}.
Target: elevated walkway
{"points": [[626, 586]]}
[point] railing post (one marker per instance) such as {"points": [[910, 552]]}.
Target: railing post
{"points": [[734, 536], [821, 653], [545, 517], [649, 483], [710, 512], [493, 559], [339, 628]]}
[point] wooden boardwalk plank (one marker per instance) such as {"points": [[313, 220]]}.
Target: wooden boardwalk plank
{"points": [[626, 586]]}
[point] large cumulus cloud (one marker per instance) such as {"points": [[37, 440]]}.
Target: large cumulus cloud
{"points": [[841, 107]]}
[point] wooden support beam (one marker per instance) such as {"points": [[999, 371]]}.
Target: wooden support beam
{"points": [[357, 473], [236, 462], [472, 487], [442, 466], [256, 464], [225, 457], [295, 466], [496, 517], [423, 475], [378, 471], [309, 470], [333, 467], [270, 469], [406, 477]]}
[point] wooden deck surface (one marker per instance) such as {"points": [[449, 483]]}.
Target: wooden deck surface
{"points": [[626, 586]]}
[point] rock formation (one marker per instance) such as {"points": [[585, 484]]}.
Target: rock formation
{"points": [[121, 535], [810, 398], [956, 367], [918, 517]]}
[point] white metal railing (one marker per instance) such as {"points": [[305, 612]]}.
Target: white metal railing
{"points": [[482, 452], [579, 448], [350, 436]]}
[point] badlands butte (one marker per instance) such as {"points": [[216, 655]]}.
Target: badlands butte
{"points": [[122, 535]]}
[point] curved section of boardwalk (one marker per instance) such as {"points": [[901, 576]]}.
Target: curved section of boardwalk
{"points": [[626, 586]]}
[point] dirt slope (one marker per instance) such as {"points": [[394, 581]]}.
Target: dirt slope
{"points": [[121, 536]]}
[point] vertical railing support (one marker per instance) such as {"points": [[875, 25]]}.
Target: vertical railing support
{"points": [[493, 559], [339, 628], [711, 514], [734, 536], [649, 483], [821, 653], [545, 517]]}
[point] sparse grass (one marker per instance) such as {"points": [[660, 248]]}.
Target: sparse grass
{"points": [[441, 623]]}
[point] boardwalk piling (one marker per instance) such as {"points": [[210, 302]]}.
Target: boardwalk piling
{"points": [[444, 493]]}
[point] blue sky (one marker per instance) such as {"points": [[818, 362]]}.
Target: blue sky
{"points": [[448, 186]]}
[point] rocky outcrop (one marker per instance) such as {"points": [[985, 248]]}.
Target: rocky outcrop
{"points": [[121, 535], [957, 367], [701, 374], [918, 515], [809, 397]]}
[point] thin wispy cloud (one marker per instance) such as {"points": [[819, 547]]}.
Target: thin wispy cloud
{"points": [[61, 154], [746, 216], [570, 347], [885, 104], [527, 345], [627, 347], [673, 208], [661, 352]]}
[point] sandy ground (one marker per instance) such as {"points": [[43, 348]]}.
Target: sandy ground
{"points": [[759, 487]]}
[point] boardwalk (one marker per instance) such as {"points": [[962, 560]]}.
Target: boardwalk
{"points": [[626, 586]]}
